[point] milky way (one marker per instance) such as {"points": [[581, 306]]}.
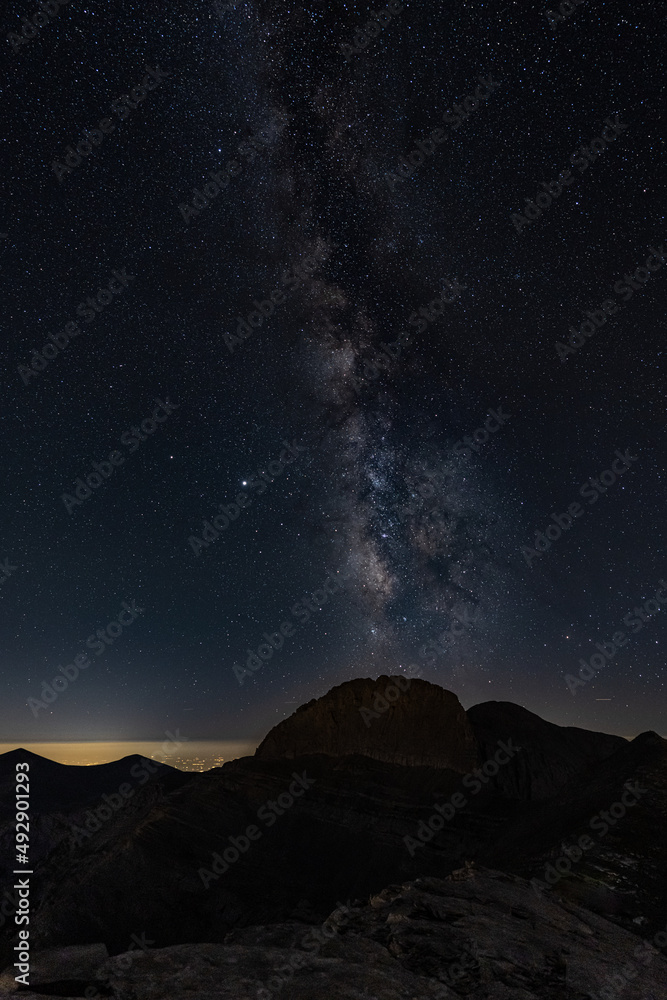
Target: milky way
{"points": [[323, 239]]}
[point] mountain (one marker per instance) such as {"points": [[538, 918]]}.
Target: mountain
{"points": [[341, 834], [623, 873], [395, 719], [371, 786], [67, 804], [425, 726], [551, 756], [63, 787]]}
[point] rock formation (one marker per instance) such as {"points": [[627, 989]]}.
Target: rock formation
{"points": [[424, 725], [551, 755]]}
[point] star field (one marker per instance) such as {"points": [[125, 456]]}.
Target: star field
{"points": [[423, 530]]}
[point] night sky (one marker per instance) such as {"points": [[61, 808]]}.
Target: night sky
{"points": [[381, 492]]}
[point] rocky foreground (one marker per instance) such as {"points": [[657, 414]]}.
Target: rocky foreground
{"points": [[479, 934]]}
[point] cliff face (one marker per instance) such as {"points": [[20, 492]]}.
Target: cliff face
{"points": [[551, 755], [397, 720]]}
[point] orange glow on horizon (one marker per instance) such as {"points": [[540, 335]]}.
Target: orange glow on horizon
{"points": [[186, 755]]}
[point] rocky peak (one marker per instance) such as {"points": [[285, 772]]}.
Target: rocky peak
{"points": [[399, 720]]}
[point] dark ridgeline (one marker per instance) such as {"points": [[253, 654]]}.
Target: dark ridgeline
{"points": [[337, 795]]}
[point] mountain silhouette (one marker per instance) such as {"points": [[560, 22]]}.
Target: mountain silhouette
{"points": [[338, 805]]}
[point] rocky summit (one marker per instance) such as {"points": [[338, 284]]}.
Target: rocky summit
{"points": [[399, 720]]}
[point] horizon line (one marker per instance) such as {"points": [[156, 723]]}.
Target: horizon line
{"points": [[137, 739]]}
